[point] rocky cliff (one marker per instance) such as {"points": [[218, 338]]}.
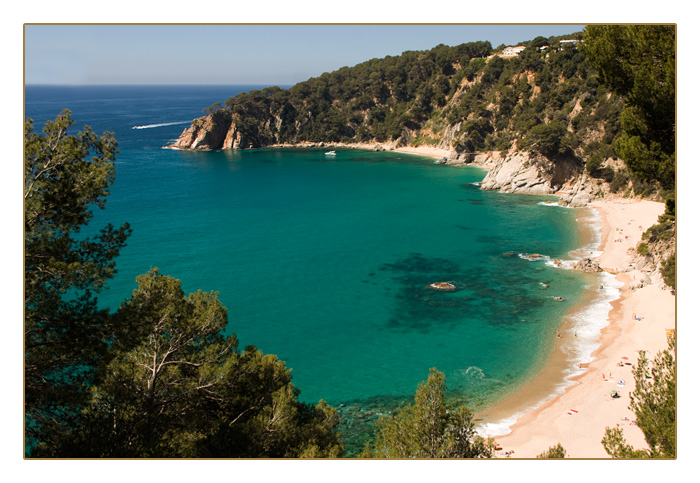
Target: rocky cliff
{"points": [[523, 172], [218, 130]]}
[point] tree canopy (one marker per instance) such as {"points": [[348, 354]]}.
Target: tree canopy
{"points": [[65, 335], [654, 403], [428, 429], [554, 452], [488, 101], [158, 378], [176, 387], [638, 62]]}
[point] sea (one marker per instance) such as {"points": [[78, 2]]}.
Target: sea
{"points": [[326, 261]]}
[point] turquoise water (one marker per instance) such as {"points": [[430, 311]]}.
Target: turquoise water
{"points": [[324, 261]]}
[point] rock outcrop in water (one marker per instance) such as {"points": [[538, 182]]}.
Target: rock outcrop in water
{"points": [[587, 265], [443, 286], [218, 130]]}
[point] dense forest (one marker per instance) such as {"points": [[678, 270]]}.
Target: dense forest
{"points": [[548, 99], [158, 379]]}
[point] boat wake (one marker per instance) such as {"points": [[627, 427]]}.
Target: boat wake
{"points": [[151, 126]]}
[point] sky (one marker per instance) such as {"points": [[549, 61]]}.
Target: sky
{"points": [[236, 54]]}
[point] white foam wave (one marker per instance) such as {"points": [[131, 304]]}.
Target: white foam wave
{"points": [[553, 203], [502, 427], [585, 326], [534, 257], [477, 372], [150, 126], [558, 263], [591, 319], [592, 218]]}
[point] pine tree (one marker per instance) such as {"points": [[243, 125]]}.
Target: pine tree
{"points": [[654, 403], [428, 429], [176, 387], [65, 335]]}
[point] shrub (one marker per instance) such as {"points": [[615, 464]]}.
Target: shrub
{"points": [[643, 249]]}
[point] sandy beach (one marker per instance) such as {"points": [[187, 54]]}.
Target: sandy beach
{"points": [[428, 151], [577, 418]]}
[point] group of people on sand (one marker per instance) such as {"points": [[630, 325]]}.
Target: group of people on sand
{"points": [[507, 454]]}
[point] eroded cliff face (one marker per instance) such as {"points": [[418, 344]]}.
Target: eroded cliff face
{"points": [[209, 132], [520, 172], [224, 130]]}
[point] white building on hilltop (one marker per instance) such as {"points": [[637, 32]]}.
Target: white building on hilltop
{"points": [[512, 51]]}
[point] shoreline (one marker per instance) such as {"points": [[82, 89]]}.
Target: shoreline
{"points": [[576, 410], [428, 151]]}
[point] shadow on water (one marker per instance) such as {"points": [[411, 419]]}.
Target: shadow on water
{"points": [[421, 308], [359, 417]]}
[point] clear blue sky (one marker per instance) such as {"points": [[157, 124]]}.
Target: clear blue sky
{"points": [[235, 54]]}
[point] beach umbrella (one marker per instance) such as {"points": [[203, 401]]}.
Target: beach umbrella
{"points": [[624, 358]]}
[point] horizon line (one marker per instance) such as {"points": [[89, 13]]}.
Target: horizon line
{"points": [[39, 84]]}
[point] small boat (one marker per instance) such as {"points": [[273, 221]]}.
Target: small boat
{"points": [[330, 153]]}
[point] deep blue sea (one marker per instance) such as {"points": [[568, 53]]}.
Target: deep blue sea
{"points": [[324, 261]]}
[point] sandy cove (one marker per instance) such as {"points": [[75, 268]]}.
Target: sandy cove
{"points": [[577, 418], [428, 151]]}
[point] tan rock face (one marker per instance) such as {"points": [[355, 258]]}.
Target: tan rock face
{"points": [[209, 132], [588, 265], [233, 138], [520, 173], [517, 174]]}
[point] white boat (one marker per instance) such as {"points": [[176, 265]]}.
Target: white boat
{"points": [[330, 153]]}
